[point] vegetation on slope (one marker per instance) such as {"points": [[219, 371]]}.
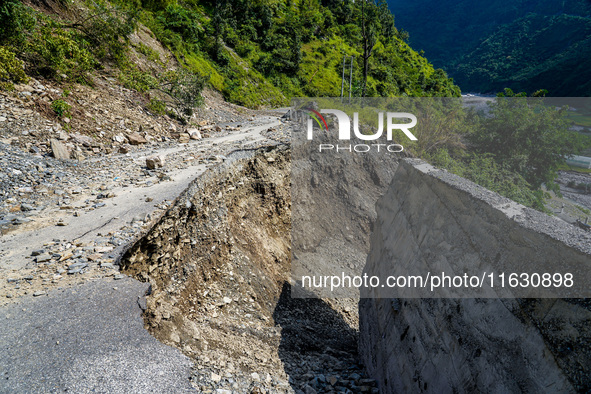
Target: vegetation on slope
{"points": [[257, 53], [515, 148], [553, 52], [260, 54]]}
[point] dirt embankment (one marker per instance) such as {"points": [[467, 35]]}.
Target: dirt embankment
{"points": [[219, 265], [223, 246]]}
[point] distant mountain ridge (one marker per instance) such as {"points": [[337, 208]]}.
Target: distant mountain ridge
{"points": [[487, 46]]}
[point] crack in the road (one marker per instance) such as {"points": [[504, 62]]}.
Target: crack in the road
{"points": [[102, 225]]}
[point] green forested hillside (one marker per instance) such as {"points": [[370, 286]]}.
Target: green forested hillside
{"points": [[551, 52], [487, 46], [257, 53]]}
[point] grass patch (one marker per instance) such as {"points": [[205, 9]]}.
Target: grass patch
{"points": [[197, 64]]}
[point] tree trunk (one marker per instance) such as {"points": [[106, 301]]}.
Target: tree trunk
{"points": [[368, 43], [365, 57]]}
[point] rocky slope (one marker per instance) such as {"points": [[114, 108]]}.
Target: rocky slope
{"points": [[73, 214]]}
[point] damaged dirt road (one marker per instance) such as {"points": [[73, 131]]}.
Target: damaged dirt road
{"points": [[70, 321], [101, 215], [208, 235]]}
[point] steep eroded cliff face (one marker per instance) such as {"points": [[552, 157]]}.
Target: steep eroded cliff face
{"points": [[217, 261], [430, 218]]}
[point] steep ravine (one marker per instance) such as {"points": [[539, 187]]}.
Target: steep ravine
{"points": [[218, 264]]}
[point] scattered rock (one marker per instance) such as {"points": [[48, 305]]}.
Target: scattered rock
{"points": [[184, 138], [58, 150], [119, 138], [194, 134], [136, 139], [309, 390], [76, 268], [27, 207], [94, 257], [154, 162], [66, 256], [83, 140], [76, 155], [43, 258]]}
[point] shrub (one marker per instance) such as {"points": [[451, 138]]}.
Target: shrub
{"points": [[157, 106], [61, 108], [61, 54], [133, 78], [184, 89], [15, 20], [11, 69]]}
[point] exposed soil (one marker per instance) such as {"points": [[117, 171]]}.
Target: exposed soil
{"points": [[219, 263]]}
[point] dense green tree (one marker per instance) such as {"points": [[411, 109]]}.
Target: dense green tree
{"points": [[528, 137], [256, 52]]}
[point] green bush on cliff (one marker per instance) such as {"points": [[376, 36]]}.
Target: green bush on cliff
{"points": [[484, 170], [11, 69], [61, 54]]}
